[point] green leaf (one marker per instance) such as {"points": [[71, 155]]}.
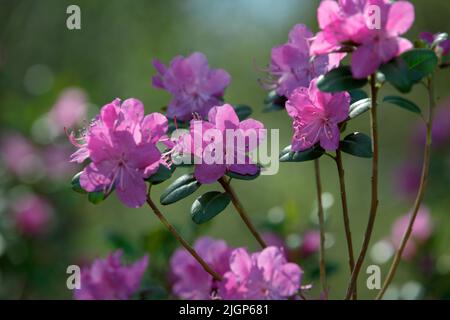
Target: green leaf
{"points": [[238, 176], [97, 197], [208, 206], [180, 189], [421, 62], [287, 155], [357, 95], [274, 102], [242, 111], [161, 175], [403, 103], [76, 184], [340, 79], [359, 107], [357, 144], [397, 74]]}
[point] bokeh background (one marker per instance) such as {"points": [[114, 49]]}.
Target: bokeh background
{"points": [[111, 57]]}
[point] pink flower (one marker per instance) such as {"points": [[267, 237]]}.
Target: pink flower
{"points": [[195, 88], [310, 243], [190, 280], [55, 161], [265, 275], [20, 156], [421, 232], [353, 22], [443, 48], [292, 65], [121, 144], [69, 110], [32, 215], [109, 279], [213, 143], [316, 116]]}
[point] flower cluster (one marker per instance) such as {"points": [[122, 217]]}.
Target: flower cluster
{"points": [[32, 215], [195, 88], [109, 279], [374, 27], [121, 144]]}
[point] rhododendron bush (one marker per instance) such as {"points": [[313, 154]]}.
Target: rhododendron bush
{"points": [[206, 196]]}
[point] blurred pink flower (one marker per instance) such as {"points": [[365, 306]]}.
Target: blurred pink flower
{"points": [[190, 280], [55, 160], [212, 139], [407, 177], [293, 66], [316, 116], [122, 147], [32, 215], [310, 243], [265, 275], [19, 155], [421, 232], [69, 110], [195, 88], [351, 22], [109, 279], [274, 240]]}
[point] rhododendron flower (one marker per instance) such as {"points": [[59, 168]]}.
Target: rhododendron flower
{"points": [[121, 144], [32, 215], [69, 110], [20, 156], [442, 48], [195, 88], [354, 22], [191, 281], [265, 275], [109, 279], [316, 116], [421, 232], [310, 243], [292, 66], [221, 144]]}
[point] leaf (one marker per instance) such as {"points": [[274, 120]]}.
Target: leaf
{"points": [[76, 184], [208, 206], [357, 144], [97, 197], [238, 176], [403, 103], [243, 111], [421, 62], [287, 155], [274, 102], [397, 74], [358, 108], [161, 175], [357, 95], [180, 189], [340, 79]]}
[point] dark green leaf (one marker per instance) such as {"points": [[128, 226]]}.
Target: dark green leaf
{"points": [[179, 189], [421, 62], [357, 95], [242, 111], [397, 74], [403, 103], [76, 184], [340, 79], [208, 206], [357, 144], [96, 197], [287, 155], [161, 175], [238, 176], [274, 102], [359, 107]]}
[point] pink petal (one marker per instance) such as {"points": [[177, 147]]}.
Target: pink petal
{"points": [[328, 13], [133, 110], [269, 260], [400, 18], [287, 279], [240, 263], [329, 137], [131, 189], [154, 127], [365, 61], [224, 117], [97, 176], [244, 169]]}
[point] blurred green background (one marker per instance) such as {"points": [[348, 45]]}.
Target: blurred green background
{"points": [[111, 57]]}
